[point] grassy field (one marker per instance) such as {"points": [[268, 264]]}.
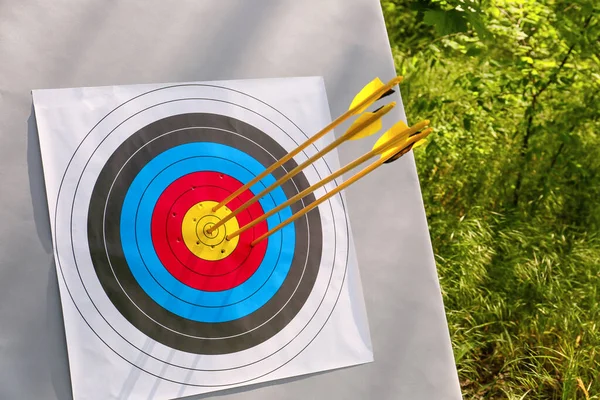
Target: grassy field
{"points": [[511, 183]]}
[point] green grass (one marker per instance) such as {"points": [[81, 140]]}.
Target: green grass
{"points": [[522, 307], [511, 185]]}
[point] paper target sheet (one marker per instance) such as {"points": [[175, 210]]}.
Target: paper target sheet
{"points": [[156, 305]]}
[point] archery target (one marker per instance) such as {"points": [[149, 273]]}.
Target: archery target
{"points": [[133, 250]]}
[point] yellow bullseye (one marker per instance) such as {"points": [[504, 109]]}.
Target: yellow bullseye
{"points": [[212, 246]]}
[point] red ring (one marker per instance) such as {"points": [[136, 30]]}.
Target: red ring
{"points": [[173, 230], [166, 229]]}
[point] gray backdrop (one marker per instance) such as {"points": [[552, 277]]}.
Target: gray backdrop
{"points": [[72, 43]]}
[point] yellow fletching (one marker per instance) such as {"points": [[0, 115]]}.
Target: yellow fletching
{"points": [[368, 90], [420, 143], [391, 134], [418, 139], [406, 141], [391, 151], [369, 130]]}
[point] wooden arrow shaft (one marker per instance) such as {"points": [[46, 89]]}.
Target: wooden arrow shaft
{"points": [[346, 136], [378, 150], [411, 141], [338, 121], [321, 200], [302, 194]]}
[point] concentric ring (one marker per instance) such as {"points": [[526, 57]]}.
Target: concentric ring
{"points": [[174, 253], [187, 310], [196, 234], [151, 275], [161, 359], [179, 197]]}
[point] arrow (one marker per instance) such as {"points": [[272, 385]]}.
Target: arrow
{"points": [[372, 119], [372, 92], [390, 141], [406, 147], [374, 86]]}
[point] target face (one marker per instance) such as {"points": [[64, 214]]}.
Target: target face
{"points": [[131, 220]]}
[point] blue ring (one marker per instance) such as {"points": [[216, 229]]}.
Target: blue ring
{"points": [[152, 276], [148, 254], [170, 283]]}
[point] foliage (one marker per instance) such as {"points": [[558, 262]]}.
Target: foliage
{"points": [[511, 183]]}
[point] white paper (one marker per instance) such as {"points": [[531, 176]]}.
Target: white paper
{"points": [[109, 356]]}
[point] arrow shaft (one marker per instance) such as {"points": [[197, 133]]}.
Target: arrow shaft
{"points": [[378, 150], [346, 136], [411, 141], [321, 200], [369, 100], [303, 194]]}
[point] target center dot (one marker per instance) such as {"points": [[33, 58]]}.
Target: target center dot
{"points": [[208, 234], [206, 245]]}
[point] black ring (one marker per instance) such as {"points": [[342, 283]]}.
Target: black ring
{"points": [[215, 338], [71, 202]]}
